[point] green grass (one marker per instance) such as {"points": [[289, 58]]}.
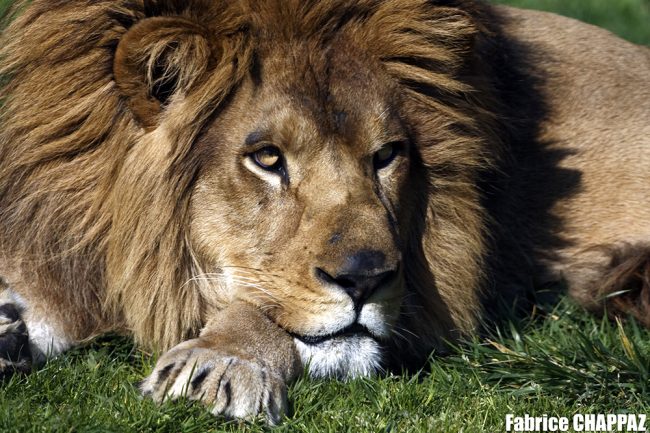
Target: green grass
{"points": [[559, 363], [562, 362], [629, 19]]}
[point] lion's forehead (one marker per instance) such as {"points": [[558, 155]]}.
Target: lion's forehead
{"points": [[347, 82]]}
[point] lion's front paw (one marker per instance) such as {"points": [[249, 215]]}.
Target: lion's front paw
{"points": [[229, 385], [15, 355]]}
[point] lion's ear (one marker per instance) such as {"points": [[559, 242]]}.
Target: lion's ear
{"points": [[157, 60]]}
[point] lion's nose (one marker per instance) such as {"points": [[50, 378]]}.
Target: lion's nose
{"points": [[361, 275]]}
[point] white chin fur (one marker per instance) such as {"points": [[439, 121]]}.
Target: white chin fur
{"points": [[341, 357]]}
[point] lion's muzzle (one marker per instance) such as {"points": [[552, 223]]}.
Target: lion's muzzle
{"points": [[371, 279], [361, 275]]}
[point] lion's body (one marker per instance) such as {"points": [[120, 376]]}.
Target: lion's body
{"points": [[524, 153], [596, 191]]}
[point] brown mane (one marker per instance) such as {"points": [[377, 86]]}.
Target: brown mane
{"points": [[94, 191]]}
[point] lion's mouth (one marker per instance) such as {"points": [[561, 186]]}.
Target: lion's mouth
{"points": [[356, 329]]}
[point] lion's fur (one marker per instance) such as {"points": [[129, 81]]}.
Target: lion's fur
{"points": [[96, 178], [98, 214], [66, 229]]}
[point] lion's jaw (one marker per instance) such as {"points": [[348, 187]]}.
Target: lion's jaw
{"points": [[341, 357], [341, 341], [316, 246], [354, 350]]}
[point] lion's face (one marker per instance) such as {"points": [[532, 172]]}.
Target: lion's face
{"points": [[300, 205], [306, 156]]}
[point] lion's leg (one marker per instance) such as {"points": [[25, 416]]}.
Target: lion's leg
{"points": [[28, 334], [615, 278], [15, 354], [239, 366]]}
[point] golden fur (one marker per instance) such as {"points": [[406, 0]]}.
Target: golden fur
{"points": [[111, 227], [120, 208]]}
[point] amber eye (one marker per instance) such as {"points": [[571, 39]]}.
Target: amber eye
{"points": [[269, 158], [384, 156]]}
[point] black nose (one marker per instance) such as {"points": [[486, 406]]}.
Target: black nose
{"points": [[361, 274]]}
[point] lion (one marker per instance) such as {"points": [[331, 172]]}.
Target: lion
{"points": [[263, 187]]}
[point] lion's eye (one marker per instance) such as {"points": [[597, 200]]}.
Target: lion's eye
{"points": [[269, 158], [384, 156]]}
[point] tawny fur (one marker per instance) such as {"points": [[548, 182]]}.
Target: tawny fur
{"points": [[104, 103]]}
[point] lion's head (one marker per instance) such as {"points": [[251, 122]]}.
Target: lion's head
{"points": [[316, 159], [303, 198]]}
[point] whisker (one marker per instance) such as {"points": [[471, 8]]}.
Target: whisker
{"points": [[398, 334]]}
